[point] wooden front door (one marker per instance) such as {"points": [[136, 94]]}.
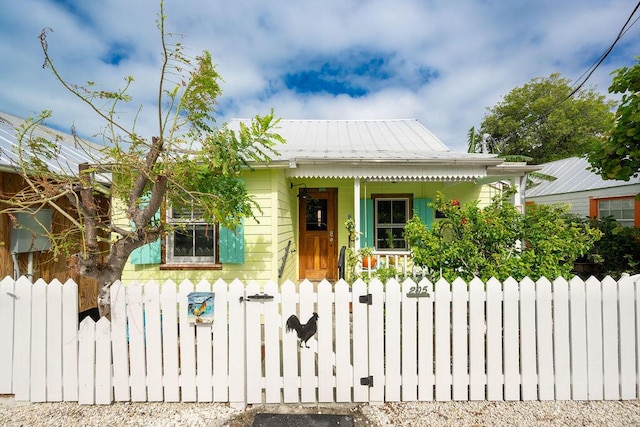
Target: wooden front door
{"points": [[318, 236]]}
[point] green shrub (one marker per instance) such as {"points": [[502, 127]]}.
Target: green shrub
{"points": [[498, 241], [617, 251]]}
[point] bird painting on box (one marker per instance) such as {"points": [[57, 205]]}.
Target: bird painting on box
{"points": [[306, 331]]}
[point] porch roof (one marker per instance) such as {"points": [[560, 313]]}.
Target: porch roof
{"points": [[398, 149]]}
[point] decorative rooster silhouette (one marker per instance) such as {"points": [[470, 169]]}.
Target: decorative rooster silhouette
{"points": [[306, 331]]}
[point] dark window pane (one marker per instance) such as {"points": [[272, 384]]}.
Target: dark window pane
{"points": [[204, 241], [316, 214], [399, 212], [183, 243], [384, 211]]}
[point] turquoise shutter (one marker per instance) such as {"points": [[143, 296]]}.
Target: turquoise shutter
{"points": [[366, 223], [232, 245], [424, 211], [149, 253]]}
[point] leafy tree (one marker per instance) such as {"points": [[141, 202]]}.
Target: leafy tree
{"points": [[189, 163], [498, 241], [617, 156], [543, 120]]}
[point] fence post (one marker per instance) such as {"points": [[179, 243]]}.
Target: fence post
{"points": [[7, 301]]}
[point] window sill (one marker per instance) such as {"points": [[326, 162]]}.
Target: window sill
{"points": [[190, 266]]}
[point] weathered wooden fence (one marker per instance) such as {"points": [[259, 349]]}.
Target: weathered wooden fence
{"points": [[393, 342]]}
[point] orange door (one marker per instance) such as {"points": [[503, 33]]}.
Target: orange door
{"points": [[317, 224]]}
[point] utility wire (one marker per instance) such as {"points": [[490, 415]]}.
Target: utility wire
{"points": [[589, 72], [593, 67]]}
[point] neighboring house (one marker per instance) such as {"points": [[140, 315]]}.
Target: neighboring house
{"points": [[586, 192], [378, 172], [24, 247]]}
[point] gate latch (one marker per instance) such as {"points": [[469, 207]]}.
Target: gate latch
{"points": [[366, 299], [257, 297], [368, 381]]}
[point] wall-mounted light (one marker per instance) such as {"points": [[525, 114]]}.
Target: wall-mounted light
{"points": [[304, 194]]}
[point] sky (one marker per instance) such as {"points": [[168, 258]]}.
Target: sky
{"points": [[441, 62]]}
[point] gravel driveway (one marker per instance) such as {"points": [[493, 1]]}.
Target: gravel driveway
{"points": [[568, 413]]}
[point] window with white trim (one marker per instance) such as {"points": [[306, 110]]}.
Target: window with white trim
{"points": [[621, 209], [192, 240], [391, 217]]}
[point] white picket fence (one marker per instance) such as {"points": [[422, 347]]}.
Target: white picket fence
{"points": [[392, 342]]}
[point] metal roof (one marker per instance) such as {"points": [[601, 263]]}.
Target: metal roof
{"points": [[572, 175], [70, 151], [397, 140]]}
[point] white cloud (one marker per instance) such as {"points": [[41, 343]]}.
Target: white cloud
{"points": [[478, 51]]}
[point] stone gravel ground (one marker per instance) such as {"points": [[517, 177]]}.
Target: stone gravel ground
{"points": [[415, 414]]}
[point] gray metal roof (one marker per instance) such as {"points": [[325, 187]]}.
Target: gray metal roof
{"points": [[572, 175], [365, 140], [71, 152]]}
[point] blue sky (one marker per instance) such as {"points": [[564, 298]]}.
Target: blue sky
{"points": [[441, 62]]}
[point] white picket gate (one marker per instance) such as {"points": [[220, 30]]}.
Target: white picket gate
{"points": [[393, 342]]}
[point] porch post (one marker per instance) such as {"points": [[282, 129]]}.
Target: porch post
{"points": [[356, 210], [520, 183]]}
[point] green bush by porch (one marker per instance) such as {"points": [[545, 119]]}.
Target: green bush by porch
{"points": [[498, 241]]}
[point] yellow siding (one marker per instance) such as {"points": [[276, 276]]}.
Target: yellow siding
{"points": [[259, 237], [267, 236]]}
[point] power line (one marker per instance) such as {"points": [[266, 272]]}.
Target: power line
{"points": [[589, 72], [600, 60]]}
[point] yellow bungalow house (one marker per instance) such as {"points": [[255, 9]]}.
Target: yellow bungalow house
{"points": [[377, 172]]}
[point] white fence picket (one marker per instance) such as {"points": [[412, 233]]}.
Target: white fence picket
{"points": [[459, 337], [495, 377], [70, 341], [628, 368], [38, 391], [270, 351], [291, 380], [136, 333], [86, 362], [22, 340], [360, 342], [561, 340], [443, 340], [253, 345], [237, 378], [391, 334], [308, 378], [326, 355], [594, 339], [220, 342], [7, 313], [409, 343], [544, 331], [102, 371], [169, 325], [511, 341], [376, 342], [426, 358], [204, 354], [121, 387], [477, 340], [528, 358], [344, 372], [188, 346], [578, 338], [610, 330], [54, 341], [153, 341]]}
